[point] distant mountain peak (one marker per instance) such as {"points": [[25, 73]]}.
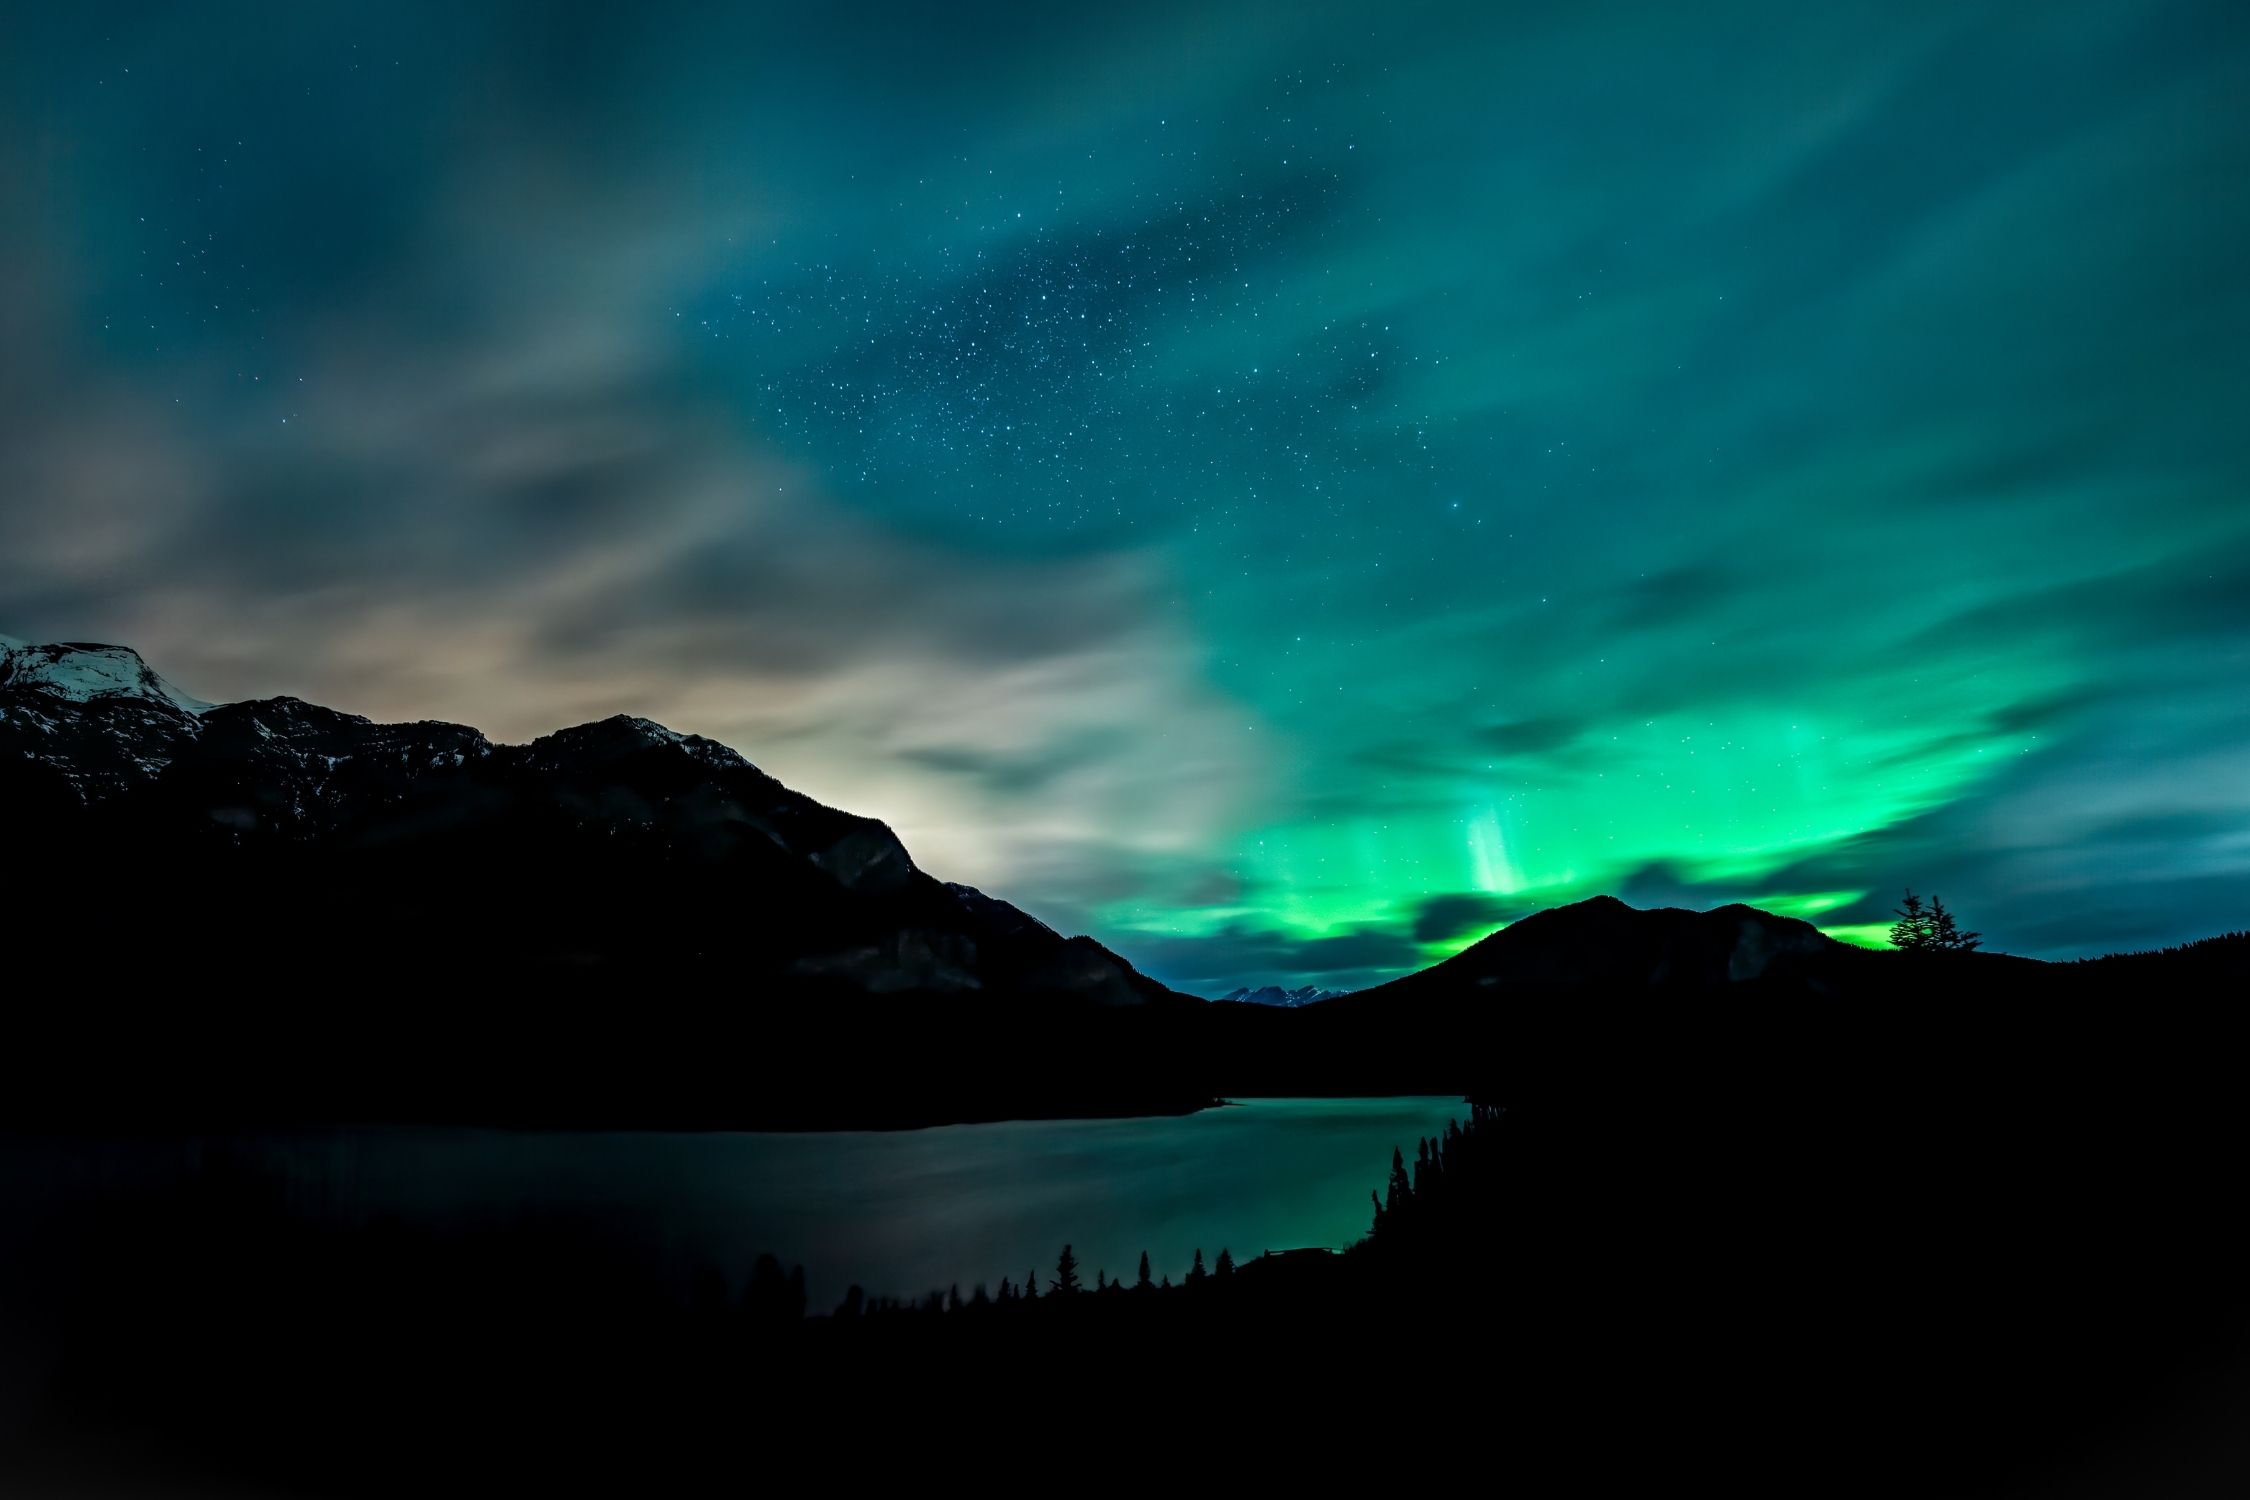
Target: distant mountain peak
{"points": [[1274, 994], [88, 672]]}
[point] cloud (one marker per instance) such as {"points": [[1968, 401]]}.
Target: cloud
{"points": [[535, 519], [1441, 919], [1530, 737], [1175, 469], [2127, 833]]}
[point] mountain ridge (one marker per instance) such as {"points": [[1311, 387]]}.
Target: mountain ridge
{"points": [[253, 782], [617, 924]]}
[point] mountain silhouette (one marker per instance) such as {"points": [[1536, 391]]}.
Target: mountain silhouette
{"points": [[1603, 941], [619, 841], [614, 921], [272, 909]]}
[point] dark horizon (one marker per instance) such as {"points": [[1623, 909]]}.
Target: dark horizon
{"points": [[97, 674]]}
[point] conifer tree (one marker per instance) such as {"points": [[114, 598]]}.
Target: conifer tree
{"points": [[1911, 932], [1066, 1273], [1946, 934], [1401, 1191], [1927, 927]]}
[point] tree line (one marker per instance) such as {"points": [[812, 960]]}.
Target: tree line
{"points": [[1418, 1202]]}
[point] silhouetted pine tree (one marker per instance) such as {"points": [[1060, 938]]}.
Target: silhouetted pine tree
{"points": [[1914, 931], [1066, 1273], [1142, 1282], [1196, 1272], [1911, 932], [1224, 1268], [1930, 928], [1946, 934], [1031, 1287]]}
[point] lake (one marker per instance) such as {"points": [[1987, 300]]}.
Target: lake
{"points": [[898, 1212]]}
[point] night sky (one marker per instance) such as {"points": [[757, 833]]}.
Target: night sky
{"points": [[1283, 490]]}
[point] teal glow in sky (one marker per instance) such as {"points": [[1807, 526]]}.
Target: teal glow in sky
{"points": [[1284, 489]]}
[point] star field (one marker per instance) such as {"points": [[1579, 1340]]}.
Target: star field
{"points": [[1285, 489]]}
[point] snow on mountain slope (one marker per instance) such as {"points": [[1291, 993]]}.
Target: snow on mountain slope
{"points": [[84, 672], [94, 716], [1274, 994]]}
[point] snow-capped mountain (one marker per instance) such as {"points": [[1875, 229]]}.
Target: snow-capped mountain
{"points": [[95, 716], [615, 842], [1274, 994], [83, 672]]}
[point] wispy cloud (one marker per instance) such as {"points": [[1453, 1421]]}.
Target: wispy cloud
{"points": [[1283, 489]]}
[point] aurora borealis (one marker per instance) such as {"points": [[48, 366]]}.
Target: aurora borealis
{"points": [[1285, 490]]}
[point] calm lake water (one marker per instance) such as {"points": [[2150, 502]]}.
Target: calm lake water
{"points": [[900, 1212]]}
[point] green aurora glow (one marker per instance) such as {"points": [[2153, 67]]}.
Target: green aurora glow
{"points": [[1286, 489]]}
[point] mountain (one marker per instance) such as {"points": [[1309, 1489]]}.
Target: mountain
{"points": [[278, 784], [95, 717], [614, 886], [1602, 942], [1274, 994], [1564, 978], [271, 910], [82, 672], [1562, 998]]}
